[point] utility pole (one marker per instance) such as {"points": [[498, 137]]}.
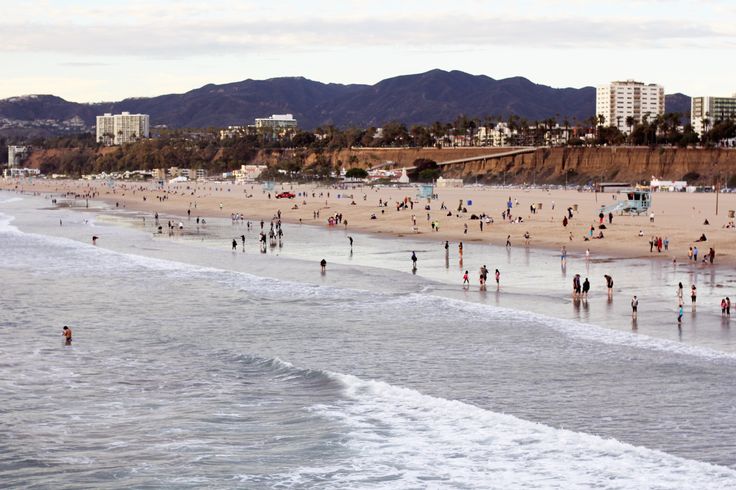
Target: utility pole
{"points": [[718, 185]]}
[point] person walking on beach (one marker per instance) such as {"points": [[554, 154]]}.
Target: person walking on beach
{"points": [[466, 279], [447, 247], [680, 293], [498, 279], [235, 244], [414, 260], [695, 254], [563, 255], [634, 306], [693, 295], [323, 265], [723, 306], [609, 285], [67, 334], [351, 242], [508, 241], [242, 238], [460, 248], [586, 288], [679, 315], [728, 306]]}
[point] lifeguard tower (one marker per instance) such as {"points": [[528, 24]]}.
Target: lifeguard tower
{"points": [[637, 201], [426, 191]]}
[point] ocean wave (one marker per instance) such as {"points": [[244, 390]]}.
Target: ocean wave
{"points": [[400, 438]]}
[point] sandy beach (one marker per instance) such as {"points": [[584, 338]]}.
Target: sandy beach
{"points": [[679, 217]]}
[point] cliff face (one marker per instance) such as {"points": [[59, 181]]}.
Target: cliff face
{"points": [[582, 165], [549, 165], [541, 166]]}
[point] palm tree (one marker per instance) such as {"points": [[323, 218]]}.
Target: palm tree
{"points": [[630, 123]]}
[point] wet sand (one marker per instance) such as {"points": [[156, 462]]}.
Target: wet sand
{"points": [[678, 216]]}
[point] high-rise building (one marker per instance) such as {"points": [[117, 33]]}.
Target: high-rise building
{"points": [[706, 111], [620, 100], [122, 128]]}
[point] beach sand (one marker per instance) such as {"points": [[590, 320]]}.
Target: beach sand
{"points": [[677, 216]]}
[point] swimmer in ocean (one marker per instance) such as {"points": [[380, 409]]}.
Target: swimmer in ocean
{"points": [[67, 333]]}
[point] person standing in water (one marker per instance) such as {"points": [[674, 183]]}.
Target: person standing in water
{"points": [[466, 279], [498, 278], [235, 244], [586, 288], [679, 316], [414, 260], [323, 264], [350, 239], [67, 334], [634, 306], [680, 294], [693, 295], [609, 285]]}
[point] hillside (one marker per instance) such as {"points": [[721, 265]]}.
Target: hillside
{"points": [[422, 98]]}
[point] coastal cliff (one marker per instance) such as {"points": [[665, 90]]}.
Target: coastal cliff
{"points": [[550, 165]]}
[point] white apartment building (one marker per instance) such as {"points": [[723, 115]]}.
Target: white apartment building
{"points": [[620, 100], [276, 126], [122, 128], [17, 155], [708, 110]]}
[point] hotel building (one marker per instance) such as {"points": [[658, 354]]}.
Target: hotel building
{"points": [[620, 100]]}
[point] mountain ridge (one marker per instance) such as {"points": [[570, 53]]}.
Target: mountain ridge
{"points": [[423, 98]]}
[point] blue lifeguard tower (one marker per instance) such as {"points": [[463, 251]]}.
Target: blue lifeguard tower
{"points": [[637, 201], [426, 191]]}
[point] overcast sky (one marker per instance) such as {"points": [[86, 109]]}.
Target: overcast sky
{"points": [[108, 50]]}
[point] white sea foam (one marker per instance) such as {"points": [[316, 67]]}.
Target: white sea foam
{"points": [[572, 328], [422, 441], [6, 227]]}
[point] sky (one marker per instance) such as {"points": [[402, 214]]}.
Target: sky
{"points": [[102, 50]]}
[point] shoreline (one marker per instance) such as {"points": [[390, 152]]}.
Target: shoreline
{"points": [[547, 233]]}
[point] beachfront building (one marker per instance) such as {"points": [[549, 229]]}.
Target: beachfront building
{"points": [[17, 155], [122, 128], [277, 126], [498, 135], [620, 102], [706, 111], [443, 182]]}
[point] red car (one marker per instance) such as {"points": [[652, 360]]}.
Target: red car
{"points": [[286, 195]]}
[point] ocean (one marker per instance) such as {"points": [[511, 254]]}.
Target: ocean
{"points": [[195, 366]]}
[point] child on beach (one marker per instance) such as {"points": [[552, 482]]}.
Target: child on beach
{"points": [[465, 279]]}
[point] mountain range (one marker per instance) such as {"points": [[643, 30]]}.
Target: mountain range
{"points": [[423, 98]]}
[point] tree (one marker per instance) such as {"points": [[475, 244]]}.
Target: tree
{"points": [[426, 170], [303, 139], [356, 173]]}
